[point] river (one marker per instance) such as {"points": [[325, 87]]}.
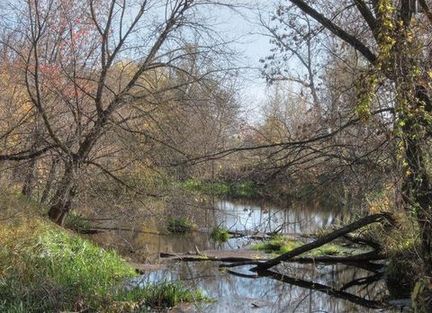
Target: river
{"points": [[300, 288]]}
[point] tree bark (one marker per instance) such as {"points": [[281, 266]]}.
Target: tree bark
{"points": [[417, 193], [62, 199]]}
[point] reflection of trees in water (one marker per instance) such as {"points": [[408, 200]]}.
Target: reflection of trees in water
{"points": [[301, 288], [266, 217], [242, 216], [309, 290]]}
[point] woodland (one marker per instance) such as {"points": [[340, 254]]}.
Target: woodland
{"points": [[127, 118]]}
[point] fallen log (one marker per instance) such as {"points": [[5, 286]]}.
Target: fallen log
{"points": [[362, 261], [236, 258], [216, 255], [370, 219]]}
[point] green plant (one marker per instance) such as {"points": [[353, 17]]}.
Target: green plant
{"points": [[220, 234], [243, 189], [45, 268], [161, 295], [279, 245], [180, 225]]}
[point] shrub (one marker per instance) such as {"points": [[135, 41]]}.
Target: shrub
{"points": [[180, 225], [219, 234]]}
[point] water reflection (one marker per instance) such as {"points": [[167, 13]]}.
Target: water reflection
{"points": [[294, 288], [143, 243], [266, 294], [264, 217]]}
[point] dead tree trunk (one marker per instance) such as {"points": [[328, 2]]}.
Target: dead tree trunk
{"points": [[323, 240]]}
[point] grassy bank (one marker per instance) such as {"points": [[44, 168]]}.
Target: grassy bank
{"points": [[45, 268]]}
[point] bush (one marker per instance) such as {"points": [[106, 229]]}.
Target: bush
{"points": [[180, 225], [219, 234]]}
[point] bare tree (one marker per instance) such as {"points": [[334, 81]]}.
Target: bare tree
{"points": [[90, 67]]}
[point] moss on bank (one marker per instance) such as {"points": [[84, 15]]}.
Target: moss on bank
{"points": [[45, 268]]}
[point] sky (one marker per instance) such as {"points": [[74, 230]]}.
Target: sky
{"points": [[251, 45]]}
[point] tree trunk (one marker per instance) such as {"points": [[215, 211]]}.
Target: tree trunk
{"points": [[417, 193], [49, 182], [62, 199], [27, 189]]}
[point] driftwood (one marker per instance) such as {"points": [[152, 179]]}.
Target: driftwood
{"points": [[323, 240]]}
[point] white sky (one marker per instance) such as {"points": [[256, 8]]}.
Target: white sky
{"points": [[252, 45]]}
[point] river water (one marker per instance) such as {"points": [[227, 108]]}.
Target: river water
{"points": [[297, 288]]}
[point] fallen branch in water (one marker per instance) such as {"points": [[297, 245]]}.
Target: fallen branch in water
{"points": [[236, 258], [323, 240], [218, 256], [360, 261]]}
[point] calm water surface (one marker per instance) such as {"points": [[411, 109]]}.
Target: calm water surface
{"points": [[305, 288]]}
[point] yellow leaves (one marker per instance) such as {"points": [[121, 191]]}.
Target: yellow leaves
{"points": [[366, 92]]}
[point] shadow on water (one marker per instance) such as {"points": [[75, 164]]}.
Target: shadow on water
{"points": [[289, 288]]}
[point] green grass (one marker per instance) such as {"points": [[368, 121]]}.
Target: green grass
{"points": [[280, 245], [45, 268], [219, 234], [180, 225], [246, 189], [162, 295], [277, 245]]}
